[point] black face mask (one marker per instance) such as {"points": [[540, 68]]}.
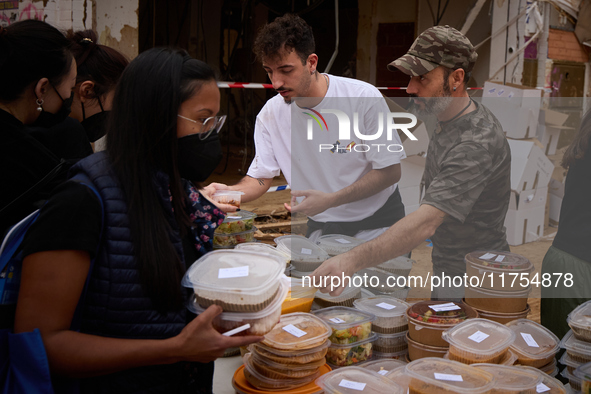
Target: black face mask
{"points": [[47, 119], [95, 125], [199, 158]]}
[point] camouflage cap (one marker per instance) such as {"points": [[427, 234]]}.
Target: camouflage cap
{"points": [[437, 46]]}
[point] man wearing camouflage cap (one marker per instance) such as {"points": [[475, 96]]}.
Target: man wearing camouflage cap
{"points": [[466, 182]]}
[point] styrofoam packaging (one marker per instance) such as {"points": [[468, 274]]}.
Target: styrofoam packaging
{"points": [[351, 353], [549, 384], [236, 222], [260, 247], [262, 382], [390, 313], [291, 356], [335, 244], [354, 380], [348, 325], [346, 298], [305, 255], [238, 281], [478, 341], [534, 344], [579, 351], [436, 375], [229, 197], [298, 331], [400, 266], [261, 322], [511, 380], [579, 321]]}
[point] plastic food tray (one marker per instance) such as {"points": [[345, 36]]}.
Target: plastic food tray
{"points": [[291, 356], [260, 247], [390, 313], [355, 380], [579, 351], [497, 301], [391, 343], [579, 321], [335, 244], [298, 331], [346, 298], [349, 325], [236, 222], [417, 351], [549, 384], [229, 197], [511, 380], [534, 344], [435, 375], [478, 341], [258, 380], [483, 264], [229, 241], [400, 266], [305, 255], [352, 353], [238, 281]]}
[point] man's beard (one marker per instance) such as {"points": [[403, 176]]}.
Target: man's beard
{"points": [[433, 106]]}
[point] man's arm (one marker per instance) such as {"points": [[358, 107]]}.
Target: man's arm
{"points": [[402, 237], [251, 187], [373, 182]]}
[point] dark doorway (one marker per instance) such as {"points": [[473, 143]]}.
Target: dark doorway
{"points": [[394, 39]]}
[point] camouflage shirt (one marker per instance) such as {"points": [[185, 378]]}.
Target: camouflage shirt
{"points": [[468, 176]]}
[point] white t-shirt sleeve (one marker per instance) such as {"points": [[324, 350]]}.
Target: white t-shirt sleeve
{"points": [[264, 164]]}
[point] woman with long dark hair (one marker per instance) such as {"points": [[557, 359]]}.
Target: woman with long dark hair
{"points": [[136, 333]]}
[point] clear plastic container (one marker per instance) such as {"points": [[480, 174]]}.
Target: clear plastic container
{"points": [[550, 367], [498, 269], [418, 350], [335, 244], [497, 301], [238, 281], [260, 381], [349, 325], [229, 241], [584, 374], [260, 247], [305, 255], [400, 293], [478, 341], [400, 377], [346, 298], [579, 351], [402, 355], [390, 313], [355, 380], [534, 344], [511, 380], [570, 364], [503, 318], [229, 197], [575, 383], [261, 322], [435, 375], [400, 266], [352, 353], [275, 370], [298, 331], [579, 321], [391, 343], [428, 319], [291, 356], [383, 366], [509, 359], [549, 385], [236, 222]]}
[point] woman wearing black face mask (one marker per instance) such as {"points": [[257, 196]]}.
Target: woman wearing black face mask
{"points": [[137, 335]]}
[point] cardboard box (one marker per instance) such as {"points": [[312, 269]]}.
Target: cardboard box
{"points": [[524, 225], [528, 199], [516, 107], [550, 125], [530, 168]]}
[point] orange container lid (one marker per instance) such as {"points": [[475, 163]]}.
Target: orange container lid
{"points": [[242, 386]]}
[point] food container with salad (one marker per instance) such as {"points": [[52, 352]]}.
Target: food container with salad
{"points": [[355, 380], [236, 222], [534, 344], [390, 313], [349, 325], [305, 255], [229, 241], [352, 353], [498, 269]]}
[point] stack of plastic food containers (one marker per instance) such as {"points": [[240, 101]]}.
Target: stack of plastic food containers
{"points": [[390, 325], [511, 380], [384, 283], [426, 322], [291, 355], [355, 380], [479, 341], [335, 244], [238, 227], [433, 375], [305, 255], [299, 298], [534, 345], [577, 342], [503, 285], [351, 337], [260, 247], [584, 374], [400, 266], [549, 384], [247, 285]]}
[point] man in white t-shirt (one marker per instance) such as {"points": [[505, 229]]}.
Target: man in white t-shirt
{"points": [[343, 175]]}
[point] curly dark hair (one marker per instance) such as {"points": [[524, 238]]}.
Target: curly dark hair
{"points": [[288, 31]]}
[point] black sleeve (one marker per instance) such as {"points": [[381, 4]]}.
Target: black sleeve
{"points": [[71, 220]]}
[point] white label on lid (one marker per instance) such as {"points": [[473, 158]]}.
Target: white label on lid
{"points": [[293, 330], [450, 306], [306, 251], [445, 376], [500, 258], [337, 320], [236, 272], [385, 305], [352, 385], [487, 256], [383, 372], [342, 241], [478, 336], [233, 217], [529, 340], [542, 388]]}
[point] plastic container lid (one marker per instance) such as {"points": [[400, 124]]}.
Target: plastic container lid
{"points": [[574, 345], [293, 355], [260, 247], [480, 337], [583, 372], [430, 374], [342, 318], [239, 215], [580, 320], [301, 249], [399, 376], [533, 340], [548, 385], [510, 379], [298, 331], [356, 380], [499, 261], [383, 366], [335, 244], [382, 306], [348, 292], [568, 361], [439, 313]]}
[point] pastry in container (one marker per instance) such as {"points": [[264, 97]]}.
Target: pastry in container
{"points": [[418, 350], [511, 380], [400, 377], [496, 270], [352, 353], [549, 384], [584, 374], [229, 241], [579, 351], [436, 375], [402, 355], [315, 354], [260, 247], [428, 319], [238, 281], [275, 370], [236, 222], [497, 301], [391, 343], [478, 341], [346, 298], [400, 266], [260, 381], [534, 344], [335, 244], [575, 383], [305, 255], [503, 318], [355, 380], [349, 325], [261, 322], [298, 331], [383, 366], [390, 313], [579, 321]]}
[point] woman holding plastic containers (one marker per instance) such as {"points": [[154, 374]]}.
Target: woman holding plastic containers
{"points": [[136, 332]]}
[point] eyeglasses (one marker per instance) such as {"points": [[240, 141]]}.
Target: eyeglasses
{"points": [[209, 125]]}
